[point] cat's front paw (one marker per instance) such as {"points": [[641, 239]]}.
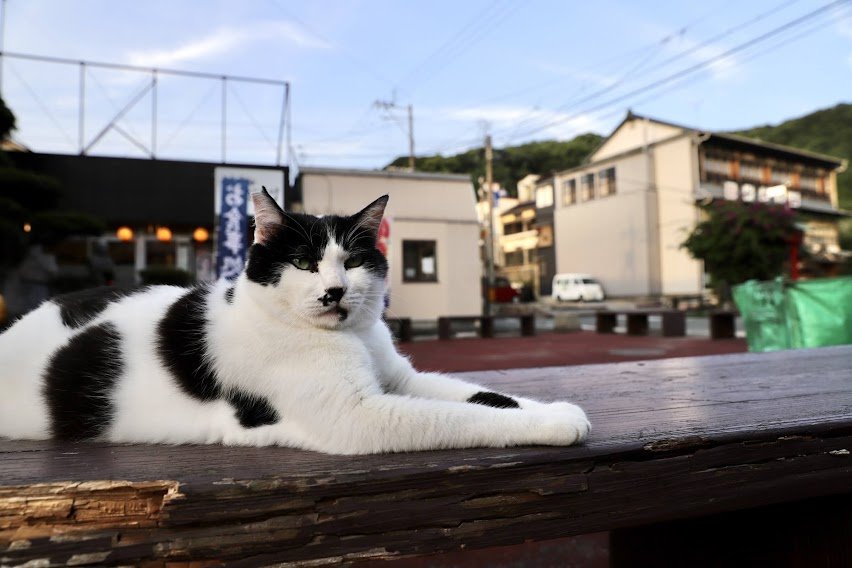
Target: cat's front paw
{"points": [[572, 418]]}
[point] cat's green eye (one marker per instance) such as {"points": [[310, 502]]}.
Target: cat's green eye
{"points": [[353, 261], [302, 263]]}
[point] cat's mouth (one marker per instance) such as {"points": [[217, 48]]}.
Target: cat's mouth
{"points": [[335, 311]]}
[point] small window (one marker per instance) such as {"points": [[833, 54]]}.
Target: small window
{"points": [[587, 187], [569, 192], [512, 228], [544, 197], [606, 182], [419, 261], [751, 171], [515, 258]]}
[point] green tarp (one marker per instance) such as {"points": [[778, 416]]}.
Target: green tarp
{"points": [[784, 314]]}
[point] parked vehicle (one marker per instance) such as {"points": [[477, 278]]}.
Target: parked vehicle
{"points": [[502, 291], [577, 287]]}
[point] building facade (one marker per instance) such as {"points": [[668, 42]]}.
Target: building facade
{"points": [[433, 241], [623, 215], [518, 245], [159, 214]]}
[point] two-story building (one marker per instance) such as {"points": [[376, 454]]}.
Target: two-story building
{"points": [[623, 215]]}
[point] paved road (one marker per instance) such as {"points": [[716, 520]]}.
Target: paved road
{"points": [[553, 349]]}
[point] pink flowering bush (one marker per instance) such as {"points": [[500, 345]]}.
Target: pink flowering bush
{"points": [[742, 241]]}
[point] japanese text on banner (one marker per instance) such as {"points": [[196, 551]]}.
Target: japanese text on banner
{"points": [[233, 227]]}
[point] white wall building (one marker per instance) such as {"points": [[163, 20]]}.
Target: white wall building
{"points": [[434, 233], [623, 215]]}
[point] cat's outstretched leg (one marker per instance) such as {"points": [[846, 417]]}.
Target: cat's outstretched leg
{"points": [[391, 423], [438, 386], [398, 376]]}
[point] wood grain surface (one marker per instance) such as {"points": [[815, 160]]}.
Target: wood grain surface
{"points": [[672, 439]]}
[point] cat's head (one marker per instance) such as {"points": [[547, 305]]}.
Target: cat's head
{"points": [[325, 270]]}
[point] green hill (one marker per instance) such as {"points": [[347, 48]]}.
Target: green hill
{"points": [[512, 163], [827, 131]]}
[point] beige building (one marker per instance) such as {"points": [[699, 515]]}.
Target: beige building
{"points": [[518, 245], [434, 233], [623, 215]]}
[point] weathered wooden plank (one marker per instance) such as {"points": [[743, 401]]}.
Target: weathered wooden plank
{"points": [[673, 439]]}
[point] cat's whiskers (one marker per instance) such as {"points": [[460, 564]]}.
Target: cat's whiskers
{"points": [[296, 224]]}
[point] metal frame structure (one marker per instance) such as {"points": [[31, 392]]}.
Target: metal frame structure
{"points": [[85, 145]]}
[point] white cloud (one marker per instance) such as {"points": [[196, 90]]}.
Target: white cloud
{"points": [[582, 76], [723, 69], [841, 23], [225, 40], [514, 123]]}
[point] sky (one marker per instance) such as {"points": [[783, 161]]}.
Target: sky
{"points": [[518, 70]]}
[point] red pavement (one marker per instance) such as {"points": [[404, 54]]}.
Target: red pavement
{"points": [[555, 349]]}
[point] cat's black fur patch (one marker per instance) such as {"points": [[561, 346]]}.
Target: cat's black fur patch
{"points": [[182, 345], [78, 308], [253, 411], [307, 236], [229, 295], [493, 399], [78, 381]]}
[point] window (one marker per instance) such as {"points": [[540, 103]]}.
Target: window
{"points": [[419, 261], [781, 174], [569, 192], [515, 258], [545, 236], [606, 182], [512, 228], [587, 187], [717, 167], [544, 197], [751, 171]]}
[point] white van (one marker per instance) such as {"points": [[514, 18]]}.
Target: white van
{"points": [[577, 287]]}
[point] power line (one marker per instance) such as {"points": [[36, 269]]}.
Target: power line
{"points": [[648, 52], [693, 68], [250, 116], [41, 104], [653, 46], [482, 25], [364, 66], [680, 55]]}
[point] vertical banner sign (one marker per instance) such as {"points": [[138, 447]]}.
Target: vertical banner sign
{"points": [[233, 207], [233, 227]]}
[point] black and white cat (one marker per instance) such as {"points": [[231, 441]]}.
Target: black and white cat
{"points": [[294, 353]]}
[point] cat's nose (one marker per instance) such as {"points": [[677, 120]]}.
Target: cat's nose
{"points": [[332, 295]]}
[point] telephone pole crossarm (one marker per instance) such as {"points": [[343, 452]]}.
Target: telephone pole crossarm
{"points": [[390, 105]]}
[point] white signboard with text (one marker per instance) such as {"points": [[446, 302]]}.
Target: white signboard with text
{"points": [[233, 206], [273, 180]]}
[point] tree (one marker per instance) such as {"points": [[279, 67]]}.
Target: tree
{"points": [[742, 241], [511, 163], [29, 198]]}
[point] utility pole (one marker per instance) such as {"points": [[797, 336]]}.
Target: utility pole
{"points": [[411, 138], [489, 231], [390, 105]]}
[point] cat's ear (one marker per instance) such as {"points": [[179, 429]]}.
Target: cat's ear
{"points": [[267, 215], [370, 217]]}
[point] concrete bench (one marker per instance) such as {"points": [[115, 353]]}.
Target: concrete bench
{"points": [[486, 324], [674, 321], [723, 324], [662, 470]]}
